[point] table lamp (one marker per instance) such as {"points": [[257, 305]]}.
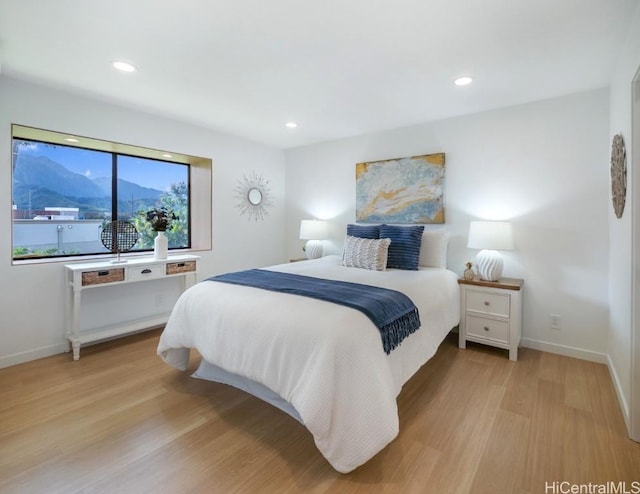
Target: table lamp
{"points": [[313, 231], [490, 236]]}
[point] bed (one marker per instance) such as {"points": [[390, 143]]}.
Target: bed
{"points": [[320, 362]]}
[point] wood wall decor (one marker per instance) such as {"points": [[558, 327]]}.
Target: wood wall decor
{"points": [[618, 174]]}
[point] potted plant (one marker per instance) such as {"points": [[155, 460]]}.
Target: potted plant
{"points": [[160, 220]]}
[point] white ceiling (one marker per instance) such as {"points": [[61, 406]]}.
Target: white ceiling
{"points": [[336, 67]]}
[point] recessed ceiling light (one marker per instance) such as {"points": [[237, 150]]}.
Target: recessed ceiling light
{"points": [[463, 81], [124, 66], [71, 139], [167, 155], [291, 125]]}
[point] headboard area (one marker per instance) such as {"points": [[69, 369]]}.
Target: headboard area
{"points": [[433, 250], [420, 246]]}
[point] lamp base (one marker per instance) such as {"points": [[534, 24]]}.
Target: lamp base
{"points": [[489, 264], [314, 249]]}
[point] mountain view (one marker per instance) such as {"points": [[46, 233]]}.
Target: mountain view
{"points": [[40, 182]]}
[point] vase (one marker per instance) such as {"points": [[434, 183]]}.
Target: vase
{"points": [[160, 246]]}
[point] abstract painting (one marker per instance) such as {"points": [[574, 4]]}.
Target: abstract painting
{"points": [[402, 190]]}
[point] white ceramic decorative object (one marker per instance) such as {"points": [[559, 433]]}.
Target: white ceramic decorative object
{"points": [[314, 249], [489, 265], [160, 246]]}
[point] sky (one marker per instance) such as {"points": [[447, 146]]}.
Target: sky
{"points": [[96, 164]]}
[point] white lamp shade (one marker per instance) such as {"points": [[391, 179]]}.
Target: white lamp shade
{"points": [[491, 235], [313, 230]]}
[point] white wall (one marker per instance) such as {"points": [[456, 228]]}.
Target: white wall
{"points": [[33, 296], [623, 230], [543, 165]]}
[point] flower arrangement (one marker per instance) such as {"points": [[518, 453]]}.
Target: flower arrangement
{"points": [[160, 218]]}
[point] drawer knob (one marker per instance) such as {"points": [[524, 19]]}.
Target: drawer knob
{"points": [[486, 302], [486, 328], [103, 273], [145, 271]]}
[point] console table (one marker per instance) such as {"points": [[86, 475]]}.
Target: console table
{"points": [[93, 275]]}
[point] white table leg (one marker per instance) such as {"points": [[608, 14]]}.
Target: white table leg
{"points": [[76, 349], [75, 324]]}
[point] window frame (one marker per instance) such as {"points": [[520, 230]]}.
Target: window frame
{"points": [[200, 171]]}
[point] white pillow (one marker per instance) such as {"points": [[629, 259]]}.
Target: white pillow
{"points": [[433, 250], [367, 253]]}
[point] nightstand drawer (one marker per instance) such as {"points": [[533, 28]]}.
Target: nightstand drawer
{"points": [[145, 272], [490, 329], [496, 304]]}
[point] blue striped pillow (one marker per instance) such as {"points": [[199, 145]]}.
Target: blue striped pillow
{"points": [[363, 231], [404, 251]]}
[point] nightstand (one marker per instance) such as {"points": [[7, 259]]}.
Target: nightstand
{"points": [[491, 313]]}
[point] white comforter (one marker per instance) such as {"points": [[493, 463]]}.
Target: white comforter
{"points": [[325, 359]]}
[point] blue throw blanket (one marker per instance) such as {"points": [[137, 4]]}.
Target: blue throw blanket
{"points": [[393, 313]]}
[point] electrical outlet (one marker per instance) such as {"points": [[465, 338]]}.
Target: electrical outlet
{"points": [[555, 321], [159, 299]]}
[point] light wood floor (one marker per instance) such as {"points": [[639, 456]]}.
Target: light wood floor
{"points": [[120, 420]]}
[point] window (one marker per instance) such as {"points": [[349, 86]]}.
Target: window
{"points": [[67, 188]]}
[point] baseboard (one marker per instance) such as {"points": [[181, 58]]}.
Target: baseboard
{"points": [[624, 406], [601, 358], [22, 357], [568, 351]]}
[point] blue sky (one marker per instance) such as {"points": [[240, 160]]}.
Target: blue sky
{"points": [[96, 164]]}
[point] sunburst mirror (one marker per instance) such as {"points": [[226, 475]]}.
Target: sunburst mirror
{"points": [[618, 174], [254, 196]]}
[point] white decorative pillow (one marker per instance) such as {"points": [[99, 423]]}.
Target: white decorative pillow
{"points": [[365, 253], [433, 251]]}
